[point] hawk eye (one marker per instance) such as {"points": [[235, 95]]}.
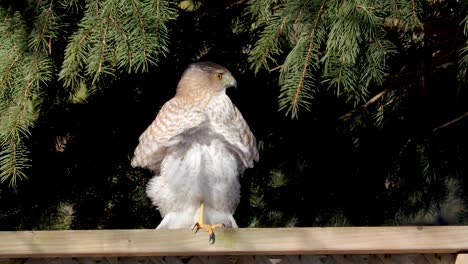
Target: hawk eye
{"points": [[219, 76]]}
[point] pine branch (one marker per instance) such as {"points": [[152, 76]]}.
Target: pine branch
{"points": [[96, 4], [49, 13], [396, 9], [308, 55], [102, 49], [46, 26], [297, 73], [8, 71], [71, 5], [158, 18], [288, 24], [377, 53], [413, 6], [451, 122], [463, 61], [413, 21], [75, 55], [266, 46], [11, 162], [366, 104], [277, 32], [130, 38], [375, 98], [12, 167], [125, 36], [276, 68], [290, 76], [142, 28], [465, 25], [23, 72], [261, 10]]}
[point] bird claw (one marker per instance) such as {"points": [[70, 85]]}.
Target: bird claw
{"points": [[196, 227], [212, 238], [208, 228]]}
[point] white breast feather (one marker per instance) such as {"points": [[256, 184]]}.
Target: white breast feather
{"points": [[199, 166]]}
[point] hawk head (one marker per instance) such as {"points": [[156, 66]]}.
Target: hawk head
{"points": [[205, 77]]}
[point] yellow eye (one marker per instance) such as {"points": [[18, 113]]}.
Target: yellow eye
{"points": [[219, 76]]}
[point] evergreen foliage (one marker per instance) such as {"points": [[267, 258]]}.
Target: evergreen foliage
{"points": [[464, 53], [116, 35], [384, 61], [24, 71], [111, 36], [339, 45]]}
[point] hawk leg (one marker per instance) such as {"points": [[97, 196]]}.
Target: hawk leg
{"points": [[207, 227]]}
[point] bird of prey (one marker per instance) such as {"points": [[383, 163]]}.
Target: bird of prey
{"points": [[197, 147]]}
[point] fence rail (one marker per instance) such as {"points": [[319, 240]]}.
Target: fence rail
{"points": [[294, 245]]}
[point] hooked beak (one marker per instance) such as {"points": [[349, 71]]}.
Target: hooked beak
{"points": [[232, 83]]}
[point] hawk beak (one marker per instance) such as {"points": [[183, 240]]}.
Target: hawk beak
{"points": [[232, 83]]}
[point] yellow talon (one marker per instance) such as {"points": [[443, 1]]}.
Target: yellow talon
{"points": [[207, 227]]}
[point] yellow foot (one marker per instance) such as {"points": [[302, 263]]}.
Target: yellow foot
{"points": [[208, 228]]}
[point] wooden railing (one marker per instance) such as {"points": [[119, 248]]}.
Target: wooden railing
{"points": [[424, 244]]}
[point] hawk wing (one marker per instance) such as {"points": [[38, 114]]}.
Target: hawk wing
{"points": [[232, 126], [175, 117]]}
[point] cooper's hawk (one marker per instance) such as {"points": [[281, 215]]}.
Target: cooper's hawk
{"points": [[197, 146]]}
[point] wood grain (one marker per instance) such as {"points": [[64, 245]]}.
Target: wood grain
{"points": [[243, 241], [289, 259], [462, 259]]}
